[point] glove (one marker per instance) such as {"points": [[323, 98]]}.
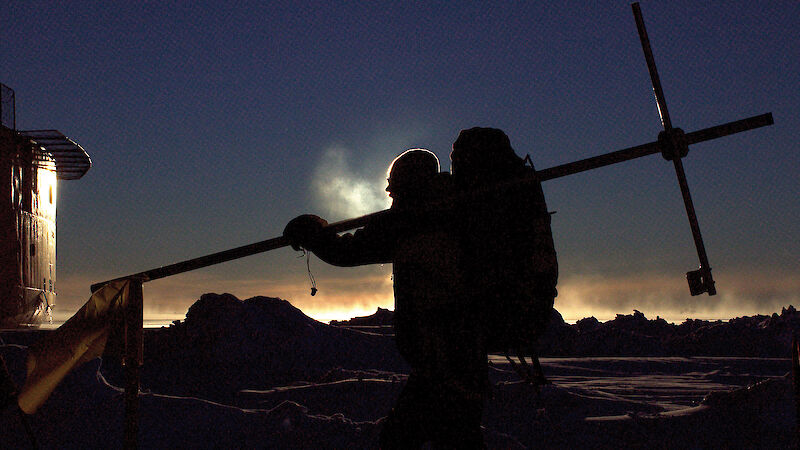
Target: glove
{"points": [[303, 231]]}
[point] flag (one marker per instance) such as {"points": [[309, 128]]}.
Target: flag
{"points": [[80, 339]]}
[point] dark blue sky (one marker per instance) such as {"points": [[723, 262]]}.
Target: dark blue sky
{"points": [[211, 126]]}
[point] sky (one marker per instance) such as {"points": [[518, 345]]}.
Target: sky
{"points": [[210, 125]]}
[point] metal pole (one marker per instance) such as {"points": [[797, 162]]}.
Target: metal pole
{"points": [[651, 67], [796, 383], [236, 253], [551, 173], [132, 361], [675, 147], [695, 226], [706, 134]]}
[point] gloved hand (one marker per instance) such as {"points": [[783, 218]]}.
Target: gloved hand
{"points": [[303, 231]]}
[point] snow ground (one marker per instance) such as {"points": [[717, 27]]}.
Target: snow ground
{"points": [[260, 374], [591, 403]]}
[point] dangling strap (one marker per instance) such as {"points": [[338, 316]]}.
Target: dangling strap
{"points": [[522, 369], [310, 275], [531, 373]]}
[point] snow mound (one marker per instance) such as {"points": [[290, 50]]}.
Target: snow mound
{"points": [[762, 336], [226, 345], [634, 335]]}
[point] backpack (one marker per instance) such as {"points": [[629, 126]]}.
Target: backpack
{"points": [[512, 265]]}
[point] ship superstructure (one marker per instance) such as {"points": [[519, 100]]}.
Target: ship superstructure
{"points": [[31, 163]]}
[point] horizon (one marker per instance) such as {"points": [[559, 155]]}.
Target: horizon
{"points": [[166, 319]]}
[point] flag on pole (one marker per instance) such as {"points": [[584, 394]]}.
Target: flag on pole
{"points": [[80, 339]]}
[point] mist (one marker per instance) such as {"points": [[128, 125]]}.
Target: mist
{"points": [[343, 190], [667, 296]]}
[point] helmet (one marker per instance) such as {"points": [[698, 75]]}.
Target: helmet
{"points": [[412, 171]]}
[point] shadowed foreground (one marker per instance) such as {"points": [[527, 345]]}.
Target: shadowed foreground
{"points": [[251, 374]]}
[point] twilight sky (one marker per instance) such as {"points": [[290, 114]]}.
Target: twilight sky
{"points": [[211, 125]]}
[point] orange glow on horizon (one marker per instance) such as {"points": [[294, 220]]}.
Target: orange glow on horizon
{"points": [[579, 296]]}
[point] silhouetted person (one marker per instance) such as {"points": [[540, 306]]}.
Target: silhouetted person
{"points": [[442, 400], [509, 256]]}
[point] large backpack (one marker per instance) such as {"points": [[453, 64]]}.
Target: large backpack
{"points": [[524, 299], [511, 265]]}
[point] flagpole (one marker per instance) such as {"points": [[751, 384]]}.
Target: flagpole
{"points": [[132, 361]]}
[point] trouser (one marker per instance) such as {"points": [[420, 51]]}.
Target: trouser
{"points": [[429, 412], [442, 401]]}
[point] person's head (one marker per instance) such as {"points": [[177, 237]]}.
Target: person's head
{"points": [[410, 175], [482, 155]]}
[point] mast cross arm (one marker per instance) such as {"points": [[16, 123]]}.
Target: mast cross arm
{"points": [[650, 148], [542, 175]]}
